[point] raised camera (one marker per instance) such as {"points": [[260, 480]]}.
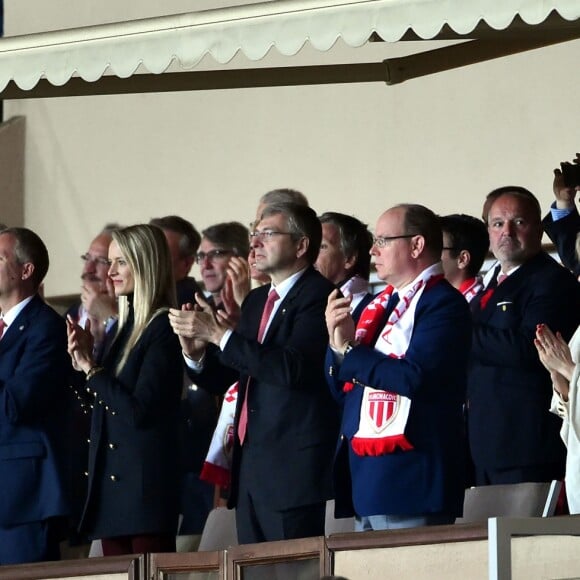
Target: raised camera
{"points": [[571, 174]]}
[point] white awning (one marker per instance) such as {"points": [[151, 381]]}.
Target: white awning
{"points": [[119, 49]]}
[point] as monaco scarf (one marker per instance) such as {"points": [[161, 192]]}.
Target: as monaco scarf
{"points": [[470, 288], [384, 414], [216, 468]]}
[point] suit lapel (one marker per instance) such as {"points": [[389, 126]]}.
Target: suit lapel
{"points": [[503, 295], [19, 325], [285, 305]]}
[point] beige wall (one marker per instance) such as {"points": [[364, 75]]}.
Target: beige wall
{"points": [[444, 141], [12, 171]]}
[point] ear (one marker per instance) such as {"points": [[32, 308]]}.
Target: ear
{"points": [[417, 246], [27, 270], [189, 260], [302, 246], [350, 262], [463, 259]]}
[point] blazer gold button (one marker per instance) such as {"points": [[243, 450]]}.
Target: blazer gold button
{"points": [[113, 413], [88, 440], [86, 473], [114, 478]]}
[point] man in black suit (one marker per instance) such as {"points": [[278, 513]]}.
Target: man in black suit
{"points": [[345, 258], [286, 422], [33, 393], [513, 436]]}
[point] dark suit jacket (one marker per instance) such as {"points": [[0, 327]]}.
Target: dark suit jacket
{"points": [[563, 233], [133, 476], [509, 391], [430, 477], [292, 420], [34, 366]]}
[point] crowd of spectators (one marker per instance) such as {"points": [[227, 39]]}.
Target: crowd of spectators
{"points": [[279, 381]]}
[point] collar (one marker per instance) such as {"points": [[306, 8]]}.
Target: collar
{"points": [[10, 316], [432, 270], [286, 285]]}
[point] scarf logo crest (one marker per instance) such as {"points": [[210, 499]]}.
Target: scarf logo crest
{"points": [[384, 414]]}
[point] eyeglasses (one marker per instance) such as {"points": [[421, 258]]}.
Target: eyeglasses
{"points": [[212, 255], [267, 235], [381, 241], [95, 259]]}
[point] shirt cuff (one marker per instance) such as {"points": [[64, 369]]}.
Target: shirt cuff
{"points": [[558, 214], [195, 365], [225, 338], [338, 356]]}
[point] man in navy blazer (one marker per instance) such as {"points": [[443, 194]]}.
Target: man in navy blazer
{"points": [[562, 223], [411, 361], [33, 394], [286, 422], [513, 436]]}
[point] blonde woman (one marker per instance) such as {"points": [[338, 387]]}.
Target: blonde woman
{"points": [[132, 473]]}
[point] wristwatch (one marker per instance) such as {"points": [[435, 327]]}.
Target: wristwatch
{"points": [[350, 344]]}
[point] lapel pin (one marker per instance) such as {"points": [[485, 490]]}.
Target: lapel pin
{"points": [[283, 310], [21, 327]]}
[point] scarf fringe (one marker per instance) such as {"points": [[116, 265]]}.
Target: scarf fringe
{"points": [[375, 447]]}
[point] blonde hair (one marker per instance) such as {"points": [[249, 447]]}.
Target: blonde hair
{"points": [[147, 253]]}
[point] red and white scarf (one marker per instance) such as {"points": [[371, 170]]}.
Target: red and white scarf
{"points": [[384, 414], [471, 287], [218, 461]]}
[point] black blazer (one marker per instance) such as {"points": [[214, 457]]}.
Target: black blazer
{"points": [[292, 419], [132, 475], [509, 391]]}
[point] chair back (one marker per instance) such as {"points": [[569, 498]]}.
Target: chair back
{"points": [[513, 500], [333, 525], [219, 532]]}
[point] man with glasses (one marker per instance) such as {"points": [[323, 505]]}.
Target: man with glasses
{"points": [[219, 243], [400, 374], [465, 246], [98, 307], [286, 423], [98, 304]]}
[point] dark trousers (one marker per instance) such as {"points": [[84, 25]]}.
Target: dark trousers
{"points": [[256, 522], [32, 542]]}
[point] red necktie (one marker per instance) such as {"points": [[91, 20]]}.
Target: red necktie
{"points": [[268, 307], [3, 325], [501, 278]]}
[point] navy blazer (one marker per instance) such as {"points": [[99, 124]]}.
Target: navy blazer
{"points": [[133, 465], [563, 233], [34, 366], [292, 420], [509, 390], [429, 478]]}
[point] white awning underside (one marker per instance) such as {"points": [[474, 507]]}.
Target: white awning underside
{"points": [[120, 48]]}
